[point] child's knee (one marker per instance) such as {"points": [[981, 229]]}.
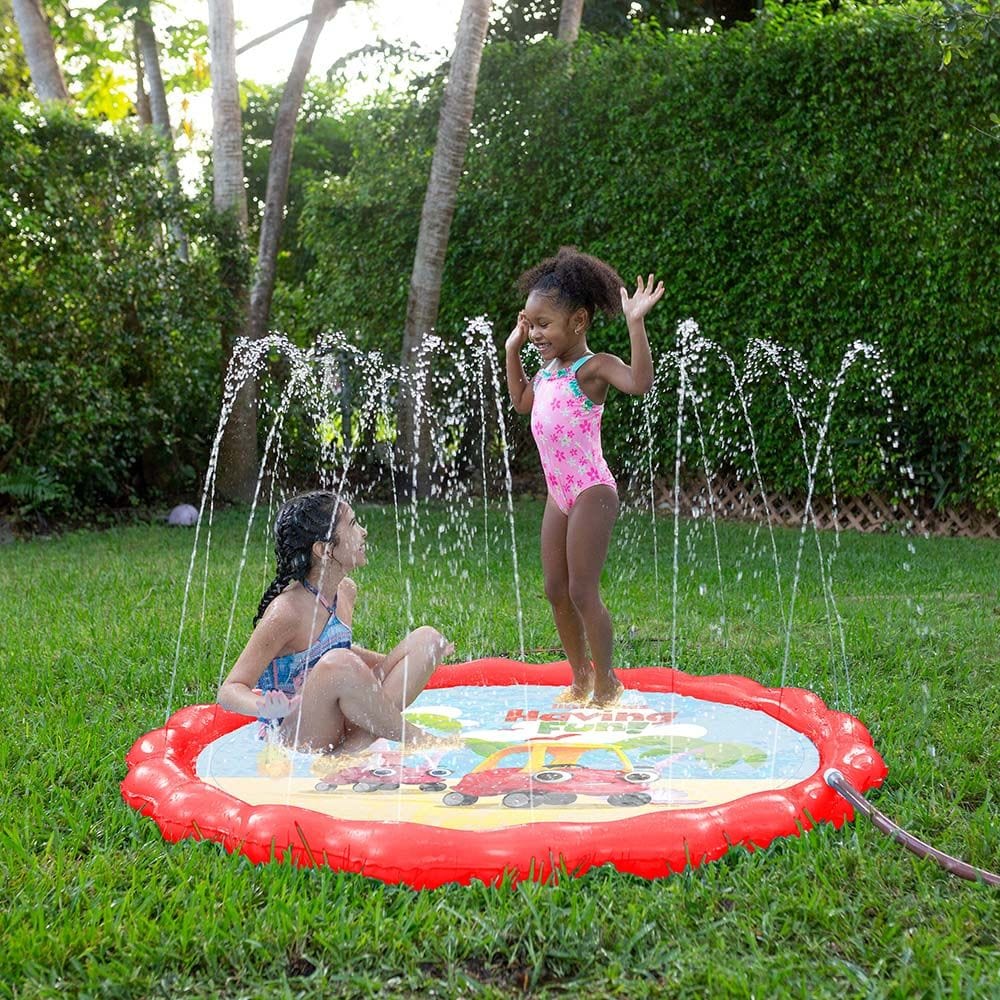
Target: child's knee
{"points": [[585, 597], [557, 592], [429, 637], [341, 666]]}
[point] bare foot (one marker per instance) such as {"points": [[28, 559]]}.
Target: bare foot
{"points": [[329, 763], [428, 741], [574, 695], [606, 698]]}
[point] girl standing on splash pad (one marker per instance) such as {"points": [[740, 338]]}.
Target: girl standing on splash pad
{"points": [[565, 399], [300, 672]]}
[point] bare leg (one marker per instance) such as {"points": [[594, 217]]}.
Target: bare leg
{"points": [[343, 697], [406, 670], [403, 674], [588, 536], [569, 624]]}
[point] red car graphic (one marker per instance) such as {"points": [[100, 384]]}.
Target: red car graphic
{"points": [[386, 773], [551, 772]]}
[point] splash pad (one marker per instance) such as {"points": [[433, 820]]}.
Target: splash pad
{"points": [[683, 769], [677, 773]]}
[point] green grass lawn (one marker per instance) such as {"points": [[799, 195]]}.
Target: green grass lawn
{"points": [[904, 634]]}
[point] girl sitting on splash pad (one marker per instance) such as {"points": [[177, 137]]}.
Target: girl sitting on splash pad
{"points": [[566, 399], [300, 672]]}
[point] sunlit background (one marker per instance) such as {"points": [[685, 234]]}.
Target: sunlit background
{"points": [[421, 34], [427, 24]]}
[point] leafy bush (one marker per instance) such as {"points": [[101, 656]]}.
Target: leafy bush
{"points": [[32, 490], [320, 147], [108, 350], [815, 181]]}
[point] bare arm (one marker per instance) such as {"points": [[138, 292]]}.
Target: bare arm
{"points": [[522, 395], [635, 378], [268, 640]]}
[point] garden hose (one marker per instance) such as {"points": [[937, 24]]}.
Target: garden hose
{"points": [[880, 821]]}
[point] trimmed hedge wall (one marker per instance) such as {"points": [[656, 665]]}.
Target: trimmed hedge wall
{"points": [[815, 181]]}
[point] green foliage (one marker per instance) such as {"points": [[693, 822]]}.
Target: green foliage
{"points": [[371, 212], [32, 490], [96, 54], [14, 76], [524, 20], [108, 344], [320, 146], [811, 178], [963, 27]]}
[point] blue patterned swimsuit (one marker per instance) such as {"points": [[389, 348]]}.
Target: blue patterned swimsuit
{"points": [[288, 673]]}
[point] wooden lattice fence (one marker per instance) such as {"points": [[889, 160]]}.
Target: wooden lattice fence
{"points": [[869, 513]]}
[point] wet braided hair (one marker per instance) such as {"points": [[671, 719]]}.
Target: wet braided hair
{"points": [[302, 521], [575, 280]]}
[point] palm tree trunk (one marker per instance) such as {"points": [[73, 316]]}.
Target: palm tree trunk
{"points": [[142, 109], [439, 210], [229, 189], [279, 168], [237, 469], [40, 51], [570, 15], [160, 115]]}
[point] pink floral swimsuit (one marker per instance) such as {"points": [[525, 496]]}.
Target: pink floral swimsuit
{"points": [[566, 426]]}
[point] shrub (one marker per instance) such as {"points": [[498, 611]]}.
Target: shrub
{"points": [[108, 350]]}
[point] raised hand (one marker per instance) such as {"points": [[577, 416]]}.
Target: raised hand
{"points": [[519, 335], [646, 296]]}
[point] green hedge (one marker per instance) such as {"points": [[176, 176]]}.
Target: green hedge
{"points": [[815, 181], [109, 370]]}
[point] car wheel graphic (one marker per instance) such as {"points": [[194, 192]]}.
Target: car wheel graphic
{"points": [[641, 776], [459, 799], [517, 800], [630, 799], [556, 799], [551, 777]]}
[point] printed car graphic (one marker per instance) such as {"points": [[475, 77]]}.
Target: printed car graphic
{"points": [[553, 772], [387, 773]]}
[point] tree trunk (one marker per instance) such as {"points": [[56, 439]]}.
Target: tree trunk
{"points": [[237, 469], [40, 51], [439, 209], [279, 167], [142, 110], [570, 15], [160, 115]]}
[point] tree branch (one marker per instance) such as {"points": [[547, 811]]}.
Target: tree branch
{"points": [[271, 34]]}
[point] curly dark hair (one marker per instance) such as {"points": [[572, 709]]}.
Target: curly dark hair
{"points": [[575, 280], [302, 520]]}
